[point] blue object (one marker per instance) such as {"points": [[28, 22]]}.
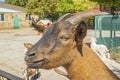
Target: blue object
{"points": [[16, 22], [36, 76]]}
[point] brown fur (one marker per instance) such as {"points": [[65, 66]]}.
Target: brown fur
{"points": [[30, 71], [28, 45], [62, 45], [88, 67]]}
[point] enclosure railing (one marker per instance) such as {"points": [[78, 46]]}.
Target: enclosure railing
{"points": [[107, 31], [7, 76]]}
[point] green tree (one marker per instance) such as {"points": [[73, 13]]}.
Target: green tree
{"points": [[81, 5], [56, 8], [38, 7], [17, 2], [111, 3], [115, 3]]}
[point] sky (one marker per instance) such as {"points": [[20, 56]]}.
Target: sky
{"points": [[2, 0]]}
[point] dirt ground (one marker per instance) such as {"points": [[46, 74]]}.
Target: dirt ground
{"points": [[12, 53]]}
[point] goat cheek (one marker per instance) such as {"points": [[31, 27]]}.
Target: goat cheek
{"points": [[67, 44]]}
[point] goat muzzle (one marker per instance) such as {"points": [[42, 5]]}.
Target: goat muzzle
{"points": [[34, 63]]}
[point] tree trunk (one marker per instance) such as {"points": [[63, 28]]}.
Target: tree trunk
{"points": [[113, 10]]}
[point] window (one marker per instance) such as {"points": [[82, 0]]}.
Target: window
{"points": [[1, 17], [28, 16]]}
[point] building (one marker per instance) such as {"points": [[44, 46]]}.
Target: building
{"points": [[9, 11]]}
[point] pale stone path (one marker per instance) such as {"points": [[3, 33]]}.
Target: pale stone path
{"points": [[12, 53]]}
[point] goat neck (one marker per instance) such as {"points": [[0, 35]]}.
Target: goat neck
{"points": [[88, 67]]}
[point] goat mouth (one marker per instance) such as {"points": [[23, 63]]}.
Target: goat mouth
{"points": [[39, 61], [36, 64]]}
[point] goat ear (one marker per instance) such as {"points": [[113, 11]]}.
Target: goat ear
{"points": [[80, 33], [28, 45]]}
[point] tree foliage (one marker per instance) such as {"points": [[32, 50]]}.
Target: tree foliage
{"points": [[81, 5], [17, 2], [56, 8], [53, 8], [112, 4], [115, 3]]}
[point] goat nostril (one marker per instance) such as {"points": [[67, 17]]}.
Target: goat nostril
{"points": [[32, 54]]}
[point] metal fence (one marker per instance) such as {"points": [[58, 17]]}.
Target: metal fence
{"points": [[7, 76], [107, 30]]}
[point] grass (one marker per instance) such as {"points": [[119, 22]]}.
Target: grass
{"points": [[115, 53], [115, 56]]}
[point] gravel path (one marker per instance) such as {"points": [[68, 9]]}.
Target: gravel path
{"points": [[12, 53]]}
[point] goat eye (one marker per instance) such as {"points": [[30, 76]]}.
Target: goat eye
{"points": [[64, 38]]}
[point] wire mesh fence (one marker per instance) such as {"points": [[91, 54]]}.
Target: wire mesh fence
{"points": [[107, 31]]}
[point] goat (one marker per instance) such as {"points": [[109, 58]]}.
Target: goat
{"points": [[62, 45], [100, 49], [39, 27], [29, 73]]}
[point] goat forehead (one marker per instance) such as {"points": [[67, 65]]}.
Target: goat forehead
{"points": [[51, 35], [53, 29], [57, 28]]}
